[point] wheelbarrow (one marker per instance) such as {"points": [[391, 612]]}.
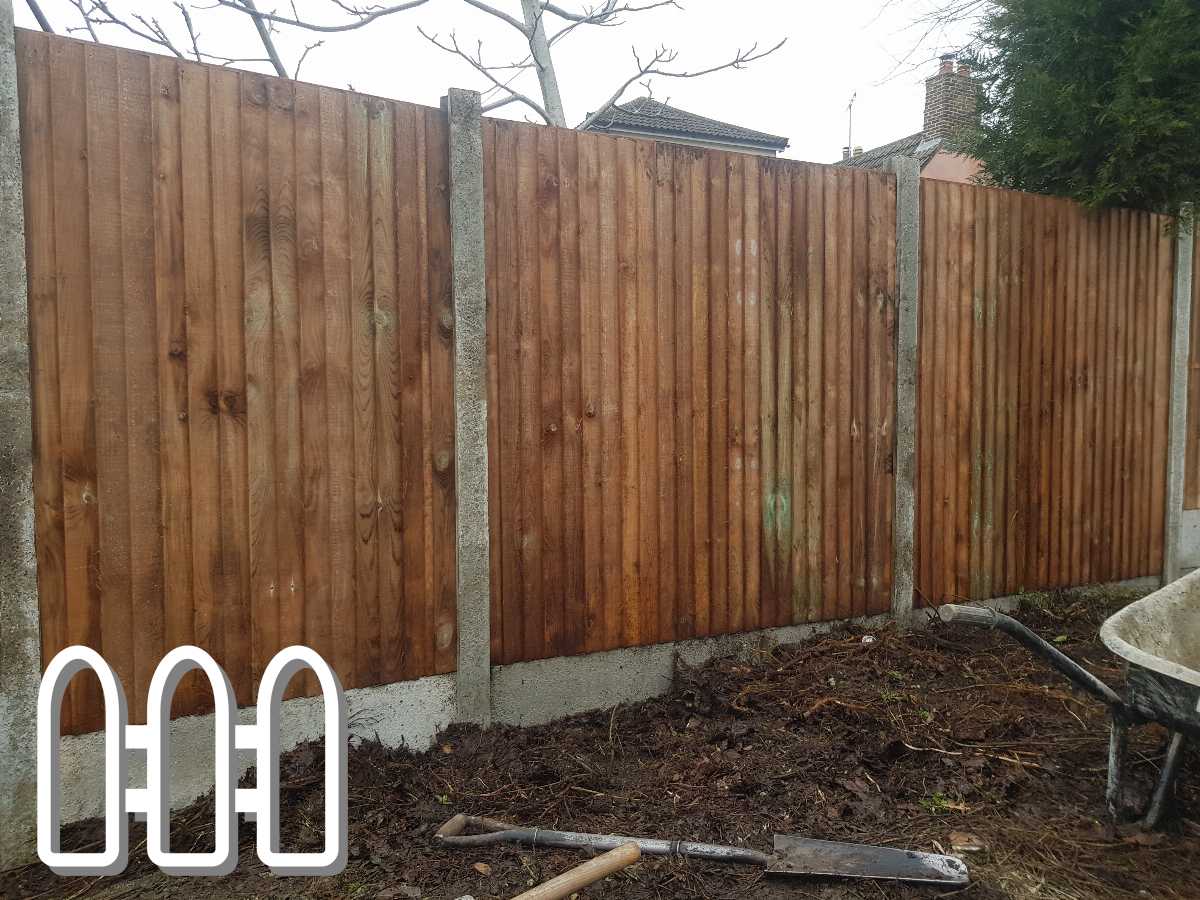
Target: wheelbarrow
{"points": [[1159, 639]]}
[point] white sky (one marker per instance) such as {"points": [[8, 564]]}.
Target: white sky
{"points": [[833, 50]]}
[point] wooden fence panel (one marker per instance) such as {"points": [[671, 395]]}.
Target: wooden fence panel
{"points": [[1041, 397], [690, 380], [1191, 489], [239, 298]]}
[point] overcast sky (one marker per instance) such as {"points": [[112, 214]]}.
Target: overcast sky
{"points": [[834, 50]]}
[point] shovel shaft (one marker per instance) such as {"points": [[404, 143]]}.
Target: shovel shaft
{"points": [[498, 833]]}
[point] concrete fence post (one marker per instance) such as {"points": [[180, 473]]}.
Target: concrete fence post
{"points": [[1181, 327], [472, 548], [908, 261], [20, 636]]}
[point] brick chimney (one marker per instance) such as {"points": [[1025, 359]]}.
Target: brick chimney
{"points": [[951, 100]]}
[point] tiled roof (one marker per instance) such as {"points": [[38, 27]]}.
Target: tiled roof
{"points": [[645, 114], [913, 145]]}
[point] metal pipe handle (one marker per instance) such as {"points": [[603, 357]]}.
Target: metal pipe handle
{"points": [[451, 834]]}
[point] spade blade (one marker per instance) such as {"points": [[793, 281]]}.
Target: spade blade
{"points": [[796, 855]]}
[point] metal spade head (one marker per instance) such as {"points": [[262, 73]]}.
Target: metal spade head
{"points": [[796, 855]]}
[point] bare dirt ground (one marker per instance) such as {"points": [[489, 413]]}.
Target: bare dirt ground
{"points": [[923, 740]]}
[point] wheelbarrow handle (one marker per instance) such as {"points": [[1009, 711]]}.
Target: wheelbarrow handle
{"points": [[496, 832], [1079, 676]]}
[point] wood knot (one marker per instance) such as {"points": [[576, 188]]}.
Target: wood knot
{"points": [[441, 462], [590, 410], [213, 398], [178, 350], [552, 428], [446, 323]]}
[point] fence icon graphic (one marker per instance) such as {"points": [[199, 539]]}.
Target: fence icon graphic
{"points": [[260, 803]]}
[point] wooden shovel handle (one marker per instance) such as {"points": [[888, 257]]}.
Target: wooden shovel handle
{"points": [[584, 874]]}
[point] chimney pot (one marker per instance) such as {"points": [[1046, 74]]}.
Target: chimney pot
{"points": [[858, 151], [947, 64], [845, 153]]}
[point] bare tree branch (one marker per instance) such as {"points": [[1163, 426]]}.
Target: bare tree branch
{"points": [[361, 17], [264, 34], [42, 21], [664, 56], [477, 63]]}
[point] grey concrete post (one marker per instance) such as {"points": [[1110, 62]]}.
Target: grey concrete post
{"points": [[1181, 327], [908, 262], [20, 638], [474, 675]]}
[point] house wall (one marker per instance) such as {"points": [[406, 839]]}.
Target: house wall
{"points": [[952, 167]]}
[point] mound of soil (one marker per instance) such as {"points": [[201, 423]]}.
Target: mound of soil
{"points": [[934, 740]]}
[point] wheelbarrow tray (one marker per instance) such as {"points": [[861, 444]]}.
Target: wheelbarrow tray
{"points": [[1159, 637]]}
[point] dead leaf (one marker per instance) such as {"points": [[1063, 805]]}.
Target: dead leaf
{"points": [[482, 868], [965, 842]]}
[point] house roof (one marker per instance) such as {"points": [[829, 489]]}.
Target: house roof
{"points": [[648, 115], [913, 145]]}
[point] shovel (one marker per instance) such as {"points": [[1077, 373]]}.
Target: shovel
{"points": [[793, 855]]}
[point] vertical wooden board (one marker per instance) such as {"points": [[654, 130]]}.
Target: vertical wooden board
{"points": [[701, 193], [794, 244], [224, 105], [34, 102], [171, 327], [313, 383], [76, 381], [831, 607], [591, 393], [1122, 512], [393, 637], [362, 357], [719, 229], [260, 385], [492, 327], [551, 400], [340, 316], [1013, 520], [141, 372], [816, 552], [1041, 305], [942, 324], [973, 576], [285, 336], [923, 549], [108, 350], [751, 381], [683, 329], [888, 339], [1106, 389], [1143, 310], [1085, 427], [1161, 386], [203, 398], [965, 353], [612, 398], [571, 413], [666, 342], [647, 394], [842, 420], [1070, 338], [993, 478], [736, 481], [860, 377], [532, 470], [503, 256], [773, 513], [1058, 273], [441, 306]]}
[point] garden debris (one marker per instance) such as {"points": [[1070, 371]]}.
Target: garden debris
{"points": [[1024, 762]]}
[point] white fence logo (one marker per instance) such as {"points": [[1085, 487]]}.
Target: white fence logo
{"points": [[260, 803]]}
